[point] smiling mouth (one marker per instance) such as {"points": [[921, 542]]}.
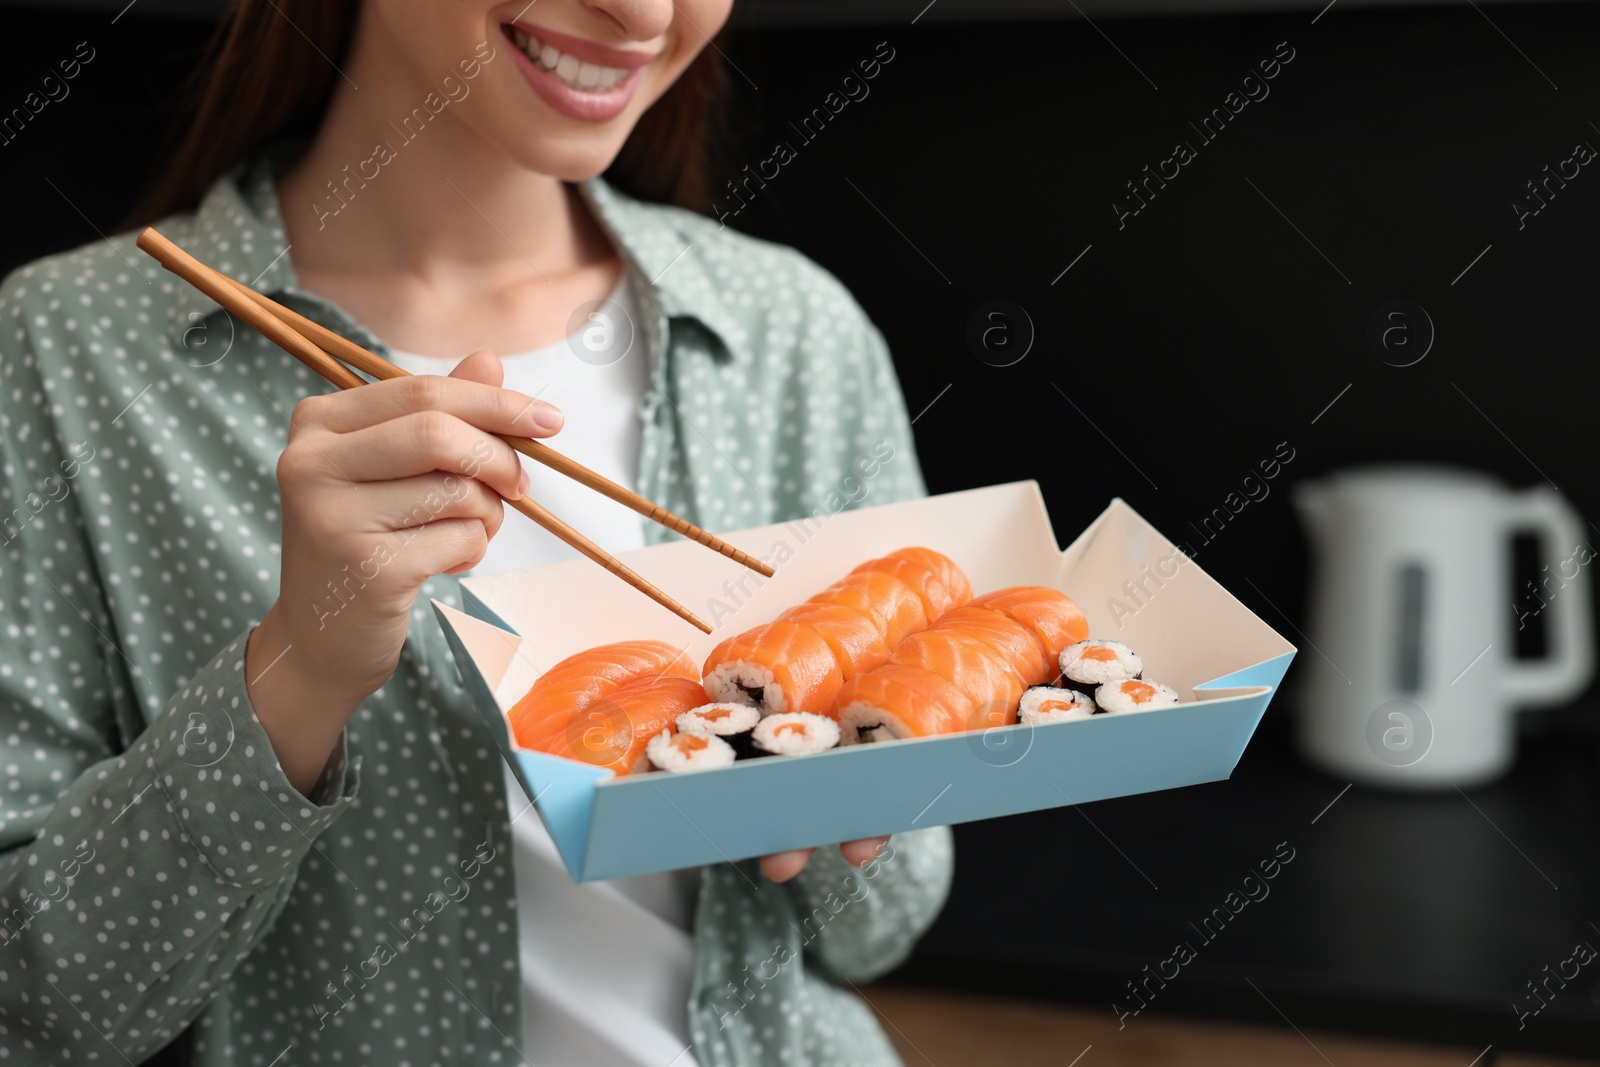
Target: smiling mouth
{"points": [[569, 70]]}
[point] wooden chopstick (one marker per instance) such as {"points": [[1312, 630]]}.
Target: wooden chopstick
{"points": [[362, 359], [226, 293]]}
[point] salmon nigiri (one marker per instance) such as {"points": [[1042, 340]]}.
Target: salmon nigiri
{"points": [[571, 685], [613, 730]]}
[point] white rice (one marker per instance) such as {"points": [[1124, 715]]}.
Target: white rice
{"points": [[794, 733], [1079, 705], [1116, 697], [665, 753], [1079, 672], [726, 720], [739, 681], [863, 724]]}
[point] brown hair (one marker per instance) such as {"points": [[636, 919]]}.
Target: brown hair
{"points": [[269, 72]]}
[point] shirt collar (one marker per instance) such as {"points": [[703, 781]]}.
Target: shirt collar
{"points": [[238, 229]]}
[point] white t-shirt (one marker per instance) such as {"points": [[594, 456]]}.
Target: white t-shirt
{"points": [[606, 966]]}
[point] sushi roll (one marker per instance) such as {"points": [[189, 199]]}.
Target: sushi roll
{"points": [[983, 673], [614, 731], [939, 583], [685, 753], [1045, 704], [1052, 617], [1134, 695], [780, 667], [897, 701], [799, 661], [795, 733], [852, 635], [731, 722], [566, 689], [892, 603], [1088, 665]]}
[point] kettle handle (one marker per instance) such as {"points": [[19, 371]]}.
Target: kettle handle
{"points": [[1568, 665]]}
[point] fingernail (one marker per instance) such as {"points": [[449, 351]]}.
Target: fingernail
{"points": [[547, 417], [523, 482]]}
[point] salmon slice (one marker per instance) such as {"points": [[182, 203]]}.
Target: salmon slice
{"points": [[571, 685], [612, 731], [893, 604], [896, 701], [1049, 613], [970, 664], [1010, 638], [782, 666], [939, 583], [852, 635]]}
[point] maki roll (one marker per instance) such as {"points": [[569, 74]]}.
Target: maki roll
{"points": [[685, 753], [795, 733], [731, 722], [1088, 665], [1043, 704], [1134, 695]]}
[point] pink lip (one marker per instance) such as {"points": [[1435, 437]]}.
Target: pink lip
{"points": [[574, 103]]}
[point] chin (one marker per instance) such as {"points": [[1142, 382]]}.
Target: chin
{"points": [[569, 163]]}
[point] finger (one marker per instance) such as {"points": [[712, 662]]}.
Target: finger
{"points": [[423, 442], [412, 502], [441, 547], [487, 406], [782, 866], [481, 366], [862, 851]]}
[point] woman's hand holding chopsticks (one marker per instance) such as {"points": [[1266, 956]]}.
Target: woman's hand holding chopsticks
{"points": [[383, 487]]}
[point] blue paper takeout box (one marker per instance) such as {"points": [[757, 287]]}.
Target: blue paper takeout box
{"points": [[1133, 584]]}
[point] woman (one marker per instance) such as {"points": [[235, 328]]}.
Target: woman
{"points": [[248, 809]]}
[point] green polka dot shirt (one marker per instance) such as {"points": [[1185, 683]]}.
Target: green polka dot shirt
{"points": [[161, 882]]}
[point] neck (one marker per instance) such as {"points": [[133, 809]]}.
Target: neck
{"points": [[432, 199]]}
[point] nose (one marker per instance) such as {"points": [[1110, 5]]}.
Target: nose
{"points": [[639, 20]]}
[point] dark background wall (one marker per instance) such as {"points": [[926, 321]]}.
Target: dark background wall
{"points": [[1208, 329]]}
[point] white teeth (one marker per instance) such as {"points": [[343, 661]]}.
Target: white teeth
{"points": [[569, 69]]}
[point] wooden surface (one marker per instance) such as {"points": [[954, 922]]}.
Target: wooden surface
{"points": [[957, 1030]]}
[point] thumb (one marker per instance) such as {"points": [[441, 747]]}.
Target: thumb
{"points": [[481, 366]]}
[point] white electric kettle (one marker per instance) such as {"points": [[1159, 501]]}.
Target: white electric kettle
{"points": [[1412, 679]]}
